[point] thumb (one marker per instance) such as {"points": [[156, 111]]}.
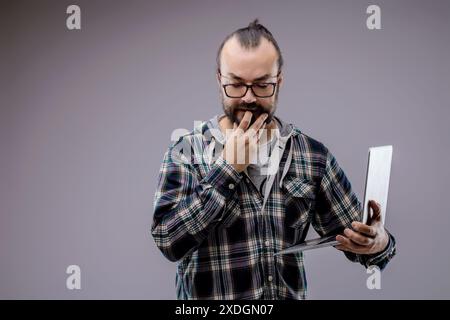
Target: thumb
{"points": [[376, 211]]}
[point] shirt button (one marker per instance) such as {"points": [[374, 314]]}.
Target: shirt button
{"points": [[231, 186], [267, 243], [270, 278]]}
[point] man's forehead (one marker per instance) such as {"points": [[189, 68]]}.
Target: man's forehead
{"points": [[249, 63]]}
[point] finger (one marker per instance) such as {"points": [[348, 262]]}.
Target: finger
{"points": [[342, 247], [358, 238], [237, 130], [350, 245], [245, 122], [262, 131], [376, 211], [255, 129], [259, 122], [364, 228], [251, 137]]}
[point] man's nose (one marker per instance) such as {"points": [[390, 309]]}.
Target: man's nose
{"points": [[249, 96]]}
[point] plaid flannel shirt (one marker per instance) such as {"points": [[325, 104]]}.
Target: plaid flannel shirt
{"points": [[207, 217]]}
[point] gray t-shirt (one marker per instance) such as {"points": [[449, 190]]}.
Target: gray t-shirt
{"points": [[257, 172]]}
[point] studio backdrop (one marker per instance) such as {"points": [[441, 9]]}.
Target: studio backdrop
{"points": [[87, 113]]}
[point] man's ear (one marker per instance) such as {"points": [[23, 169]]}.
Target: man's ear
{"points": [[218, 77], [280, 80]]}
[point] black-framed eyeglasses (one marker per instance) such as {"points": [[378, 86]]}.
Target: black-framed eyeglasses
{"points": [[259, 89]]}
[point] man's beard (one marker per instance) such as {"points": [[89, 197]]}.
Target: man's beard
{"points": [[255, 108]]}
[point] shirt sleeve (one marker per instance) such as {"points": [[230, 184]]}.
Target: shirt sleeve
{"points": [[380, 259], [186, 207], [337, 207]]}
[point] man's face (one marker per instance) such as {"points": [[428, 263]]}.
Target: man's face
{"points": [[256, 65]]}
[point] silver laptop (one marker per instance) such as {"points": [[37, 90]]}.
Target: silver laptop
{"points": [[376, 188]]}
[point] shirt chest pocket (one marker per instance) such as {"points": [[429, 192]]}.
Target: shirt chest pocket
{"points": [[299, 201]]}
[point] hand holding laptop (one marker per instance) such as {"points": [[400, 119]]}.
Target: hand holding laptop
{"points": [[367, 238]]}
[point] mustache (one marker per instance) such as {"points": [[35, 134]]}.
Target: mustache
{"points": [[249, 107]]}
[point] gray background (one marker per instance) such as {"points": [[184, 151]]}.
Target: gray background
{"points": [[86, 117]]}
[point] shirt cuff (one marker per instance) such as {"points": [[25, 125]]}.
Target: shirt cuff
{"points": [[223, 177], [382, 258]]}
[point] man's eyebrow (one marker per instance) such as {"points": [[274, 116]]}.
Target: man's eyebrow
{"points": [[264, 77]]}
